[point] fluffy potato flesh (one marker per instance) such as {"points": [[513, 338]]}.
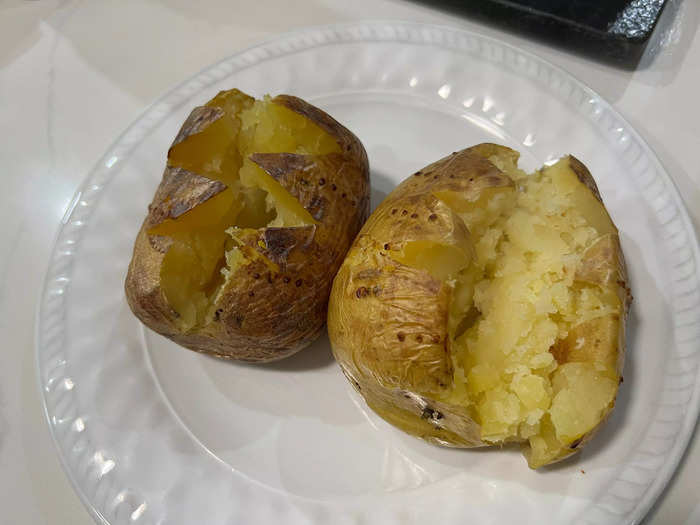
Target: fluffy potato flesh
{"points": [[526, 298], [507, 329], [206, 246]]}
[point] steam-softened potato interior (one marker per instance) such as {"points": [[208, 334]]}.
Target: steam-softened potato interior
{"points": [[518, 316], [205, 251]]}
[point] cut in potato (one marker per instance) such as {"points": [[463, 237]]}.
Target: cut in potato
{"points": [[505, 298], [257, 196]]}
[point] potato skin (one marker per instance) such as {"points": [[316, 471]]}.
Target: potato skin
{"points": [[387, 321], [276, 304], [604, 337]]}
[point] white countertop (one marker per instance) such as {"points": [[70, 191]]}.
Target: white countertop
{"points": [[74, 74]]}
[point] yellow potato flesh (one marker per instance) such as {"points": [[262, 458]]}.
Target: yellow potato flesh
{"points": [[204, 250], [440, 260], [520, 297]]}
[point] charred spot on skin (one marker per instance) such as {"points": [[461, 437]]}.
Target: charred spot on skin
{"points": [[575, 443], [376, 290], [361, 292], [404, 212], [436, 339], [429, 413], [418, 173], [348, 147], [432, 217], [286, 279], [317, 204], [256, 275], [419, 338], [387, 246], [238, 319], [321, 181], [393, 212], [622, 380], [269, 277], [401, 336], [299, 282], [217, 313], [414, 216], [334, 187], [279, 242]]}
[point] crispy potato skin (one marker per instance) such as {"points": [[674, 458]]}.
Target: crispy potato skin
{"points": [[388, 322], [275, 305]]}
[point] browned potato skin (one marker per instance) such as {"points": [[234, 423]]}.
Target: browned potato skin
{"points": [[387, 321], [276, 305]]}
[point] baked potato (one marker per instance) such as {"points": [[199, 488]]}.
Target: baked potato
{"points": [[480, 305], [259, 202]]}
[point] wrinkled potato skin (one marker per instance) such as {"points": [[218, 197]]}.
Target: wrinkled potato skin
{"points": [[387, 321], [276, 305]]}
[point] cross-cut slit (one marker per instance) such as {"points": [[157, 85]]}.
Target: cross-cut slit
{"points": [[204, 252]]}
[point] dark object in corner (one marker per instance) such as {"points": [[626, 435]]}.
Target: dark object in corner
{"points": [[612, 30]]}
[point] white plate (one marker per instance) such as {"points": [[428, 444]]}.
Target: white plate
{"points": [[151, 433]]}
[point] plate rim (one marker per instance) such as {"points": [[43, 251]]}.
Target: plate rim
{"points": [[664, 474]]}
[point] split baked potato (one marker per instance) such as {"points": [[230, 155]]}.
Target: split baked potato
{"points": [[259, 202], [480, 305]]}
